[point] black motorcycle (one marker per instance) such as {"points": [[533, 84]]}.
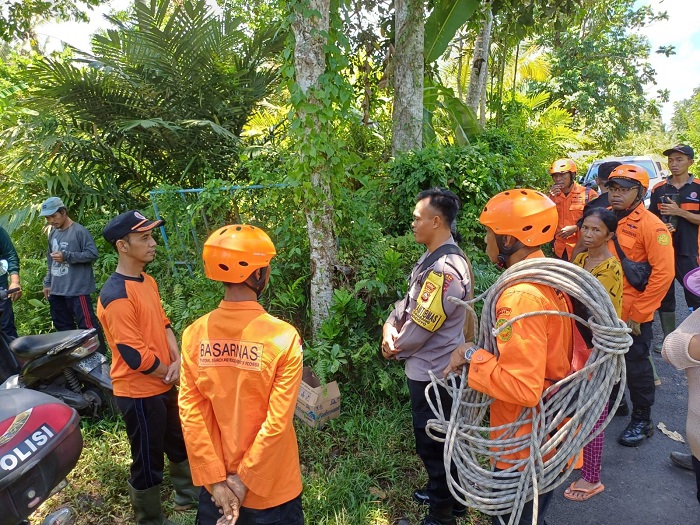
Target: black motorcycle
{"points": [[64, 365]]}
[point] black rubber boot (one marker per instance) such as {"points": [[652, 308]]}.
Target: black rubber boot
{"points": [[421, 496], [147, 506], [186, 494], [439, 515], [668, 325], [639, 428]]}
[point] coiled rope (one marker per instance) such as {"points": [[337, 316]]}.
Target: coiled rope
{"points": [[562, 421]]}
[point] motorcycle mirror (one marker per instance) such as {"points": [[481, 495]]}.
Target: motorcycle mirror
{"points": [[3, 266]]}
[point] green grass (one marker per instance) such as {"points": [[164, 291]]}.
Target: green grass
{"points": [[360, 469]]}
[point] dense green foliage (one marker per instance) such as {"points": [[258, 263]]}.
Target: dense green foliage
{"points": [[161, 98], [599, 68], [686, 120]]}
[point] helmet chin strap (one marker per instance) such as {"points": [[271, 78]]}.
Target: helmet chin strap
{"points": [[504, 252], [258, 285]]}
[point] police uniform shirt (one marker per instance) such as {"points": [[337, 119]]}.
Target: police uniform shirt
{"points": [[430, 326], [685, 238]]}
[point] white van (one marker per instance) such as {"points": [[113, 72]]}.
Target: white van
{"points": [[653, 167]]}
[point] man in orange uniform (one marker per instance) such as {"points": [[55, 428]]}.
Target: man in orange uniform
{"points": [[145, 369], [642, 238], [570, 198], [241, 372], [534, 352]]}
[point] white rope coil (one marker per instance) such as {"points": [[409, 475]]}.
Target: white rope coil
{"points": [[563, 420]]}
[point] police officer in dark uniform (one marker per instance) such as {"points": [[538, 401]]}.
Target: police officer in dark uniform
{"points": [[424, 328], [676, 201]]}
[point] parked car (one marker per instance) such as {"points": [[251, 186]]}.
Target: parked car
{"points": [[654, 169]]}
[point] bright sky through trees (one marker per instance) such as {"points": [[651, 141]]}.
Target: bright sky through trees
{"points": [[678, 73]]}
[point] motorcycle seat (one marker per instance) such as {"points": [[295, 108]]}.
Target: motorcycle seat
{"points": [[31, 346]]}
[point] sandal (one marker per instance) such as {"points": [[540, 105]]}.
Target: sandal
{"points": [[575, 493]]}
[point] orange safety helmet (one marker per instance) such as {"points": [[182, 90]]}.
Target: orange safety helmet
{"points": [[628, 175], [232, 253], [528, 215], [563, 166]]}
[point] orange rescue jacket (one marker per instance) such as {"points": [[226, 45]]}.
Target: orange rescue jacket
{"points": [[570, 210], [643, 237], [534, 353], [241, 371]]}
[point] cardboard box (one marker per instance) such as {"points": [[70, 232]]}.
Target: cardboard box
{"points": [[317, 403]]}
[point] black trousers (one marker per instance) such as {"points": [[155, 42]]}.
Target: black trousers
{"points": [[431, 451], [153, 428], [684, 263], [7, 320], [73, 312], [640, 375], [290, 513]]}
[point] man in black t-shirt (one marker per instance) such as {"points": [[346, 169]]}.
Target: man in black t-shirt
{"points": [[604, 171], [676, 201]]}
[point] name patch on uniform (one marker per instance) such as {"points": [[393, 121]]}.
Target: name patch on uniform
{"points": [[429, 313], [226, 352]]}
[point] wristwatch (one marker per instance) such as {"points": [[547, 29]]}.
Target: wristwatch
{"points": [[469, 352]]}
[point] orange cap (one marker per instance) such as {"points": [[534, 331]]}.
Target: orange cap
{"points": [[528, 215], [232, 253]]}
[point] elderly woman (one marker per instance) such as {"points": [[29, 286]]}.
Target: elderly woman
{"points": [[597, 227], [682, 349]]}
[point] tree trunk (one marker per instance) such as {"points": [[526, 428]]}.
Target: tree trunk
{"points": [[479, 69], [407, 118], [310, 64]]}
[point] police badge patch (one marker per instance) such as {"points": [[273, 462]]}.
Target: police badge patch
{"points": [[429, 313]]}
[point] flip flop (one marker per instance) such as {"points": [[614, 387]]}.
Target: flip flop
{"points": [[583, 494]]}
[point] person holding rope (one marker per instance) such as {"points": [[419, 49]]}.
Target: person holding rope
{"points": [[642, 242], [597, 227], [535, 352], [422, 330]]}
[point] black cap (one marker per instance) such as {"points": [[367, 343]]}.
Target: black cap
{"points": [[681, 148], [128, 222], [623, 181], [606, 168]]}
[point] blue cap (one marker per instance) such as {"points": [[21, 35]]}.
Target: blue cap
{"points": [[51, 206]]}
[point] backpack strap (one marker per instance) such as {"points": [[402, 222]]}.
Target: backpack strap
{"points": [[445, 249]]}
